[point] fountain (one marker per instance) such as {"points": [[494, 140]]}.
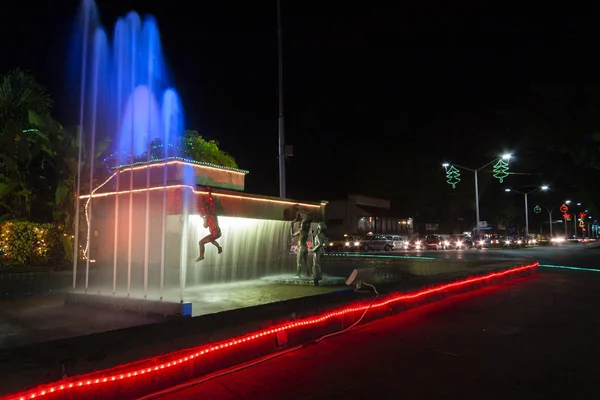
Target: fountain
{"points": [[140, 220]]}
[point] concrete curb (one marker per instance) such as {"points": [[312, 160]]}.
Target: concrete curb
{"points": [[228, 347]]}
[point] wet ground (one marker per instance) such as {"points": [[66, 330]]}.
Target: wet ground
{"points": [[40, 319], [222, 297]]}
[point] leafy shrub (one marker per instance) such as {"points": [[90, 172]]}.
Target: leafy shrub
{"points": [[29, 243]]}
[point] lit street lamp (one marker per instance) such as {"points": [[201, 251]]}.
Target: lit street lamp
{"points": [[475, 171], [526, 206], [550, 210]]}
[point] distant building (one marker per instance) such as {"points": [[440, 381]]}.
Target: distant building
{"points": [[361, 214]]}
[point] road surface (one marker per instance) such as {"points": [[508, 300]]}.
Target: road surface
{"points": [[569, 254], [532, 339]]}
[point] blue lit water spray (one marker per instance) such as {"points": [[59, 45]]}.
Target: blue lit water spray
{"points": [[125, 98]]}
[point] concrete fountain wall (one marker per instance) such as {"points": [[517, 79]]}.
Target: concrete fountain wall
{"points": [[255, 229]]}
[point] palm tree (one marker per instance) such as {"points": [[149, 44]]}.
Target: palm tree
{"points": [[25, 127]]}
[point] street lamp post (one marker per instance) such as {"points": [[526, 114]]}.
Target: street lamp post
{"points": [[566, 222], [281, 118], [527, 206], [550, 221], [550, 210], [475, 171]]}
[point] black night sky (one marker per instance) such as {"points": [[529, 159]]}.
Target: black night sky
{"points": [[377, 96]]}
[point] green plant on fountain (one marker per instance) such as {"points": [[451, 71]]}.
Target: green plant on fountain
{"points": [[191, 146]]}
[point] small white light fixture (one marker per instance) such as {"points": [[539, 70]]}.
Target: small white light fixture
{"points": [[507, 190], [545, 187], [445, 165], [507, 156]]}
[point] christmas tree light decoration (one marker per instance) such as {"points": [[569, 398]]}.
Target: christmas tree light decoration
{"points": [[452, 176], [501, 170]]}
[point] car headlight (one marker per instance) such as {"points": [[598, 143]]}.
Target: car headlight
{"points": [[519, 242], [356, 243], [347, 244], [458, 244], [481, 242], [418, 242], [507, 242]]}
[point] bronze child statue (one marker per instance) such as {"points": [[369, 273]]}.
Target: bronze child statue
{"points": [[302, 234], [318, 250], [209, 215]]}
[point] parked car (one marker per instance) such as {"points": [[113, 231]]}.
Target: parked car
{"points": [[399, 242], [348, 243], [497, 241], [376, 242], [436, 242], [460, 243], [415, 243], [482, 243]]}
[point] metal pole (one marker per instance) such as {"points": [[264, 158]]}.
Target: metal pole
{"points": [[566, 234], [116, 236], [588, 230], [147, 231], [282, 191], [163, 242], [476, 201], [77, 210], [550, 221], [526, 218]]}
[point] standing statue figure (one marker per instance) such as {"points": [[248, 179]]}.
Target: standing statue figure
{"points": [[318, 249], [209, 215], [302, 234]]}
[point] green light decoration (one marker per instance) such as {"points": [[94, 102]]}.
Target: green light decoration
{"points": [[501, 170], [452, 176], [537, 209]]}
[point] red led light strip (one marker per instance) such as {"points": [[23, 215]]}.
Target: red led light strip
{"points": [[101, 379]]}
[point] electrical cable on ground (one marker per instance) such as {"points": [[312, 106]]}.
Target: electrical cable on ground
{"points": [[206, 378]]}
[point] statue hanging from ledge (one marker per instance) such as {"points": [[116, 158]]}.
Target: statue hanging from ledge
{"points": [[302, 234], [318, 249], [209, 215]]}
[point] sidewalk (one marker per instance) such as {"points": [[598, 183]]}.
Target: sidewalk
{"points": [[26, 367]]}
